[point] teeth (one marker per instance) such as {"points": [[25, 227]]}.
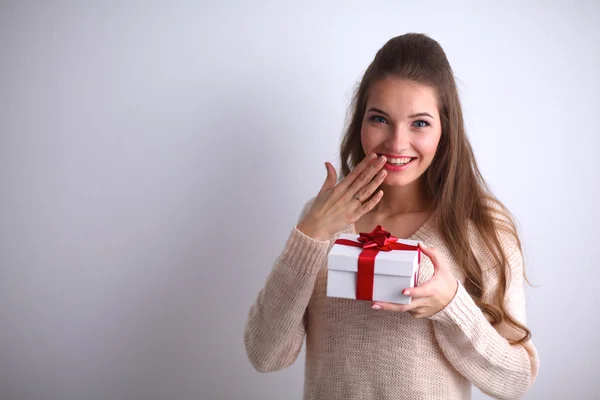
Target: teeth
{"points": [[399, 161]]}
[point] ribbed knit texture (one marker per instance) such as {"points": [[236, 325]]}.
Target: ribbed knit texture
{"points": [[355, 352]]}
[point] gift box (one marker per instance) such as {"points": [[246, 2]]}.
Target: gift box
{"points": [[373, 266]]}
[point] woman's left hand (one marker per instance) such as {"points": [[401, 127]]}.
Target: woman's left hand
{"points": [[432, 296]]}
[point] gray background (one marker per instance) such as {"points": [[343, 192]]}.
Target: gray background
{"points": [[154, 157]]}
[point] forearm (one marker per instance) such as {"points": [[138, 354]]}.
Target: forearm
{"points": [[275, 329]]}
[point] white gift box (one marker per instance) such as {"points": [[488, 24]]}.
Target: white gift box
{"points": [[394, 271]]}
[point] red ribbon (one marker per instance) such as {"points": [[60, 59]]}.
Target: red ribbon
{"points": [[372, 243]]}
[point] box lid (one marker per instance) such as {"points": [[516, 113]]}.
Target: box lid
{"points": [[397, 262]]}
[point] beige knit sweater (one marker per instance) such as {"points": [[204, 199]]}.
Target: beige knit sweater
{"points": [[355, 352]]}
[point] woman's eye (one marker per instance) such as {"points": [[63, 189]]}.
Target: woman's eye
{"points": [[379, 119], [421, 124]]}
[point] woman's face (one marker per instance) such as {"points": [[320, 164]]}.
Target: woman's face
{"points": [[402, 122]]}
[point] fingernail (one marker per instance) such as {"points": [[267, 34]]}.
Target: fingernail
{"points": [[423, 245], [406, 293], [376, 307], [372, 156]]}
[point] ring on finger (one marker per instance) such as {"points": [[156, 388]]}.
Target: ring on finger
{"points": [[356, 197]]}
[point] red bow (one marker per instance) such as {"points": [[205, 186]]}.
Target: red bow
{"points": [[378, 238]]}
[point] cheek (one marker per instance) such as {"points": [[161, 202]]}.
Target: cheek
{"points": [[428, 145], [368, 138]]}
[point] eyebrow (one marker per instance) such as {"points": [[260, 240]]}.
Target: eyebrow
{"points": [[421, 114]]}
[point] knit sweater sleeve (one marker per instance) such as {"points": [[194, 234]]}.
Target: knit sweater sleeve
{"points": [[276, 323], [482, 352]]}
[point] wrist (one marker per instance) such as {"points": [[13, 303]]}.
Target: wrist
{"points": [[452, 293], [310, 231]]}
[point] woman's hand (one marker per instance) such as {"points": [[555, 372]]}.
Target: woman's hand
{"points": [[339, 205], [432, 296]]}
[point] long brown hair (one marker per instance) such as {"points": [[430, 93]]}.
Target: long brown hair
{"points": [[453, 181]]}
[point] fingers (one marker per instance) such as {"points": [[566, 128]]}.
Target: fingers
{"points": [[380, 305], [331, 178], [417, 308], [425, 290], [366, 192], [392, 307], [365, 177], [355, 173], [367, 206]]}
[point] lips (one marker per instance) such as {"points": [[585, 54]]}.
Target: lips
{"points": [[395, 164], [398, 160]]}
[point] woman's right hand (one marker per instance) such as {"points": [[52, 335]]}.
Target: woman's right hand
{"points": [[337, 206]]}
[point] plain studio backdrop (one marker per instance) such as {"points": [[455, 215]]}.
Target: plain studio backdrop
{"points": [[155, 156]]}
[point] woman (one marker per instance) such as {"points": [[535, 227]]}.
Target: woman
{"points": [[407, 165]]}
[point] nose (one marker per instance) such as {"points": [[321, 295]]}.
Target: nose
{"points": [[399, 138]]}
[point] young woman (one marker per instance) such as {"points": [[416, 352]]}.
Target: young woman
{"points": [[407, 165]]}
